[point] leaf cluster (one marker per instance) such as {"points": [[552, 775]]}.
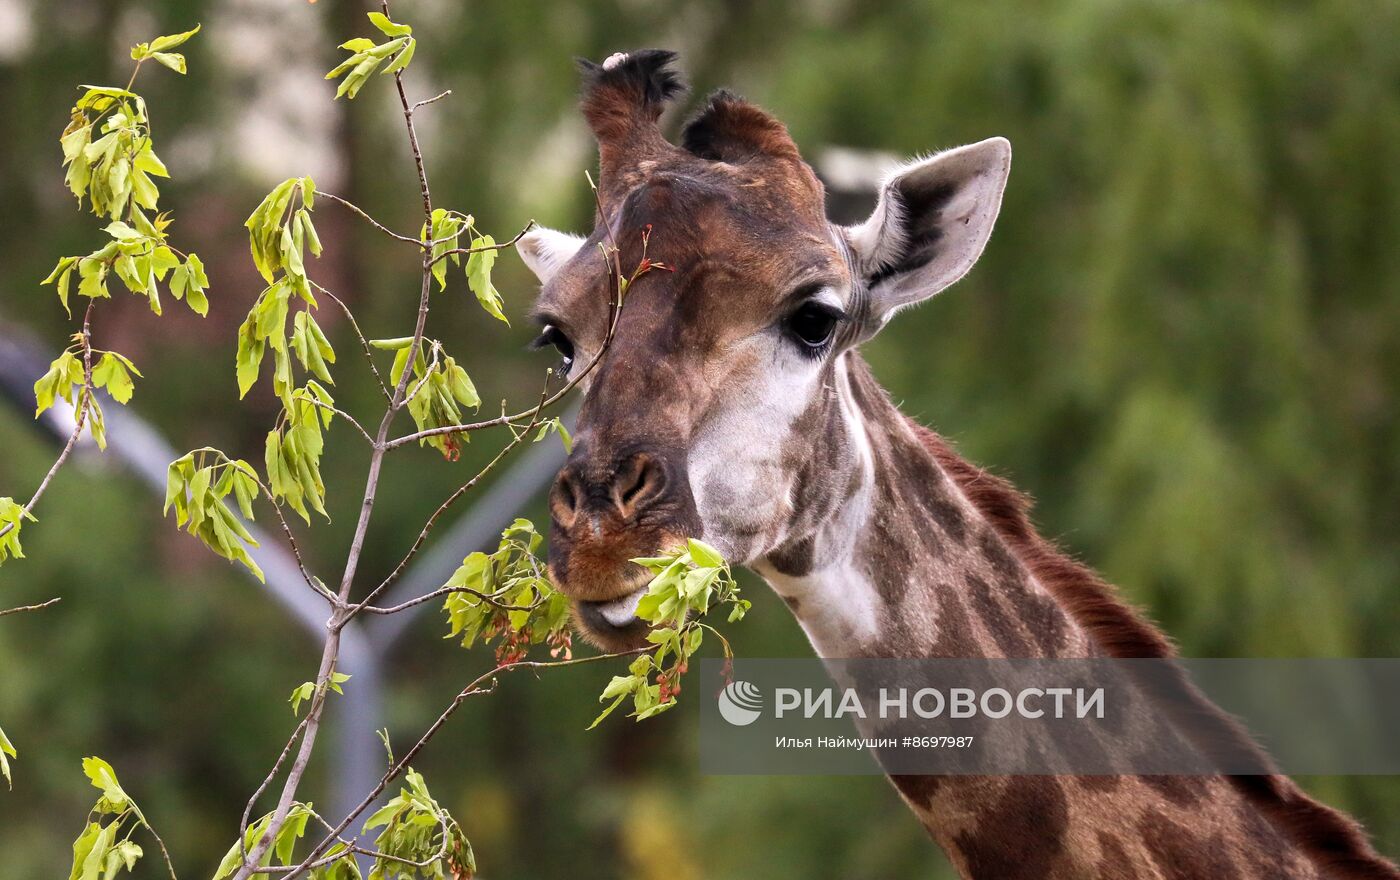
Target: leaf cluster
{"points": [[505, 595], [197, 489], [440, 387], [105, 846], [283, 848], [111, 162], [141, 259], [12, 516], [307, 689], [292, 451], [686, 584], [418, 838], [367, 56], [280, 234]]}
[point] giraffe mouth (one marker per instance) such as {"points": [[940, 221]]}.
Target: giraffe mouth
{"points": [[613, 617], [613, 624], [622, 612]]}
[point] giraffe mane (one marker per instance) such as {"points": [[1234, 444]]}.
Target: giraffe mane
{"points": [[1334, 841]]}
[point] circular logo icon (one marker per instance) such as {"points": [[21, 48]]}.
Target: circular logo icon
{"points": [[740, 703]]}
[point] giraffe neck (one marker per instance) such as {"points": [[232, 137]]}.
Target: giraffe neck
{"points": [[886, 557], [890, 552]]}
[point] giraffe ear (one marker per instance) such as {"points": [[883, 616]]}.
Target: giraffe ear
{"points": [[546, 251], [930, 225]]}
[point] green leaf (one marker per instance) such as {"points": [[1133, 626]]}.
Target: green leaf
{"points": [[460, 383], [122, 232], [704, 554], [303, 691], [479, 266], [113, 372], [606, 712], [104, 779], [63, 375], [189, 282], [82, 848], [7, 751], [387, 27], [173, 60], [61, 277], [250, 354], [401, 60], [160, 44], [555, 426], [291, 831], [92, 278]]}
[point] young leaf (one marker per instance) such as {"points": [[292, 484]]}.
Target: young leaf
{"points": [[113, 372], [479, 277], [7, 749], [387, 27], [161, 44]]}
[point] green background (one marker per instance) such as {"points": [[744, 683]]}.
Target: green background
{"points": [[1181, 340]]}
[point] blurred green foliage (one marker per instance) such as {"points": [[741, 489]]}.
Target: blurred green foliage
{"points": [[1181, 340]]}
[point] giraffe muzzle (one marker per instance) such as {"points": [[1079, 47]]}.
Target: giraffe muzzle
{"points": [[607, 508]]}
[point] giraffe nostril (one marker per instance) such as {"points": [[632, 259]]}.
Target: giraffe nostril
{"points": [[564, 499], [640, 481]]}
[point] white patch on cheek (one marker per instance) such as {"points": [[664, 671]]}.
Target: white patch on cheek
{"points": [[740, 483]]}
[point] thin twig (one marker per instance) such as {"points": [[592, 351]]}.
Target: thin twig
{"points": [[84, 404], [373, 222], [267, 780], [426, 101], [445, 591], [23, 608], [164, 853], [486, 247], [343, 414], [364, 343]]}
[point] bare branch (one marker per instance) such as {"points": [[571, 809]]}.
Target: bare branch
{"points": [[343, 414], [23, 608], [364, 343], [373, 222], [267, 780], [425, 102]]}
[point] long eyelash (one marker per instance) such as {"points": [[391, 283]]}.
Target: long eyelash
{"points": [[836, 313]]}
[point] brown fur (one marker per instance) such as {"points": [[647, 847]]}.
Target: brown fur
{"points": [[730, 129]]}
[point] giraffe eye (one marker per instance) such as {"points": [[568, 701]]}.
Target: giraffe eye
{"points": [[552, 335], [813, 325]]}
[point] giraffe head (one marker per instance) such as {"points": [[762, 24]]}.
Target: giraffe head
{"points": [[710, 413]]}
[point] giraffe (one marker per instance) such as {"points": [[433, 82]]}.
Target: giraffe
{"points": [[732, 404]]}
